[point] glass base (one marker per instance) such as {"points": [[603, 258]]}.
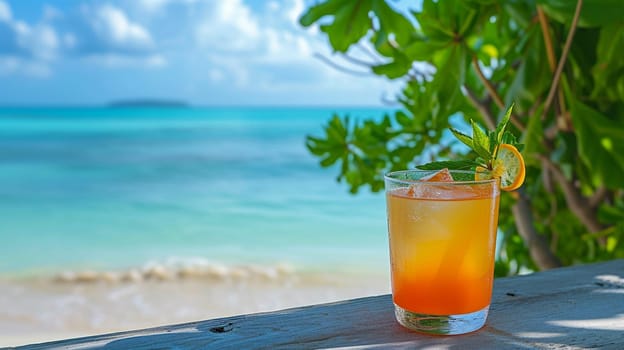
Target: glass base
{"points": [[441, 325]]}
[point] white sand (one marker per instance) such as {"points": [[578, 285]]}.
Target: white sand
{"points": [[33, 311]]}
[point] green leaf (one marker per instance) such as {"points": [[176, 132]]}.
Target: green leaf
{"points": [[599, 144], [511, 139], [316, 12], [609, 65], [392, 23], [450, 76], [395, 69], [520, 12], [434, 23], [533, 76], [493, 142], [594, 13], [480, 141], [532, 137], [465, 139], [421, 50], [317, 146], [350, 24], [502, 125], [330, 159], [469, 19], [403, 119], [608, 213], [336, 129], [449, 164]]}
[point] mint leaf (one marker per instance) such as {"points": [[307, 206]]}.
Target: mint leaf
{"points": [[480, 141], [493, 141], [509, 138], [484, 143], [450, 164], [502, 125], [465, 139]]}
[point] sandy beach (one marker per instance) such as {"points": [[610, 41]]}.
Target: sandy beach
{"points": [[72, 305]]}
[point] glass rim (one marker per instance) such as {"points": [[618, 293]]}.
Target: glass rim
{"points": [[389, 177]]}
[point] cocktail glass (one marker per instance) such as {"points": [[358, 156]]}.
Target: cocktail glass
{"points": [[442, 239]]}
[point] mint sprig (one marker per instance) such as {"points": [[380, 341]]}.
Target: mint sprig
{"points": [[449, 164], [484, 143]]}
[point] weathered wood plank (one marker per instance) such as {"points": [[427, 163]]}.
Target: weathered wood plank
{"points": [[576, 307]]}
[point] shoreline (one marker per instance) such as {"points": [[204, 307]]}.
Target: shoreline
{"points": [[44, 309]]}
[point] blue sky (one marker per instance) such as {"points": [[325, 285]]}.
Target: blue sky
{"points": [[231, 52]]}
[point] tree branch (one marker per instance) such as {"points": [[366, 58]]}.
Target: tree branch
{"points": [[578, 204], [367, 51], [358, 61], [598, 196], [339, 67], [488, 86], [550, 53], [562, 59], [492, 91], [489, 119], [537, 245]]}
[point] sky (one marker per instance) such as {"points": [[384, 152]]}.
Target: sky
{"points": [[204, 52]]}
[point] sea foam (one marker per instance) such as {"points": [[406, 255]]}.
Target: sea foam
{"points": [[178, 269]]}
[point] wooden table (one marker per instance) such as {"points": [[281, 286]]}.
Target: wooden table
{"points": [[567, 308]]}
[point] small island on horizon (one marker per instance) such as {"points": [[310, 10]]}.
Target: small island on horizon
{"points": [[149, 102]]}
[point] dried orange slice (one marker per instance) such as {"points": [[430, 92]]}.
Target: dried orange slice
{"points": [[508, 166]]}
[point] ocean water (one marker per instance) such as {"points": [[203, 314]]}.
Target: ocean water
{"points": [[112, 189]]}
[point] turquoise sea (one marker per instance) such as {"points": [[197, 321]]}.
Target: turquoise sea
{"points": [[112, 189]]}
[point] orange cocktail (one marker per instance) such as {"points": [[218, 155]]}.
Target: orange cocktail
{"points": [[442, 240]]}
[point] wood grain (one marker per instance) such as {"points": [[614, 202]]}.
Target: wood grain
{"points": [[567, 308]]}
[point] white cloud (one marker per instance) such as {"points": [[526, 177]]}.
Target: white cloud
{"points": [[273, 6], [69, 40], [155, 61], [216, 75], [105, 30], [233, 44], [229, 26], [106, 35], [37, 69], [264, 45], [41, 41], [112, 24], [51, 13], [153, 6], [5, 12], [296, 9], [114, 60], [231, 70], [237, 40], [8, 65], [13, 65], [28, 49]]}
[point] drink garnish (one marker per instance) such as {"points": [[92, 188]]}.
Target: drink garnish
{"points": [[497, 155], [508, 166]]}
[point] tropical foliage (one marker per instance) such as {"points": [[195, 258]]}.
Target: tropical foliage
{"points": [[561, 62]]}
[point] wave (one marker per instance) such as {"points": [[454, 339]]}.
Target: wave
{"points": [[177, 269]]}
